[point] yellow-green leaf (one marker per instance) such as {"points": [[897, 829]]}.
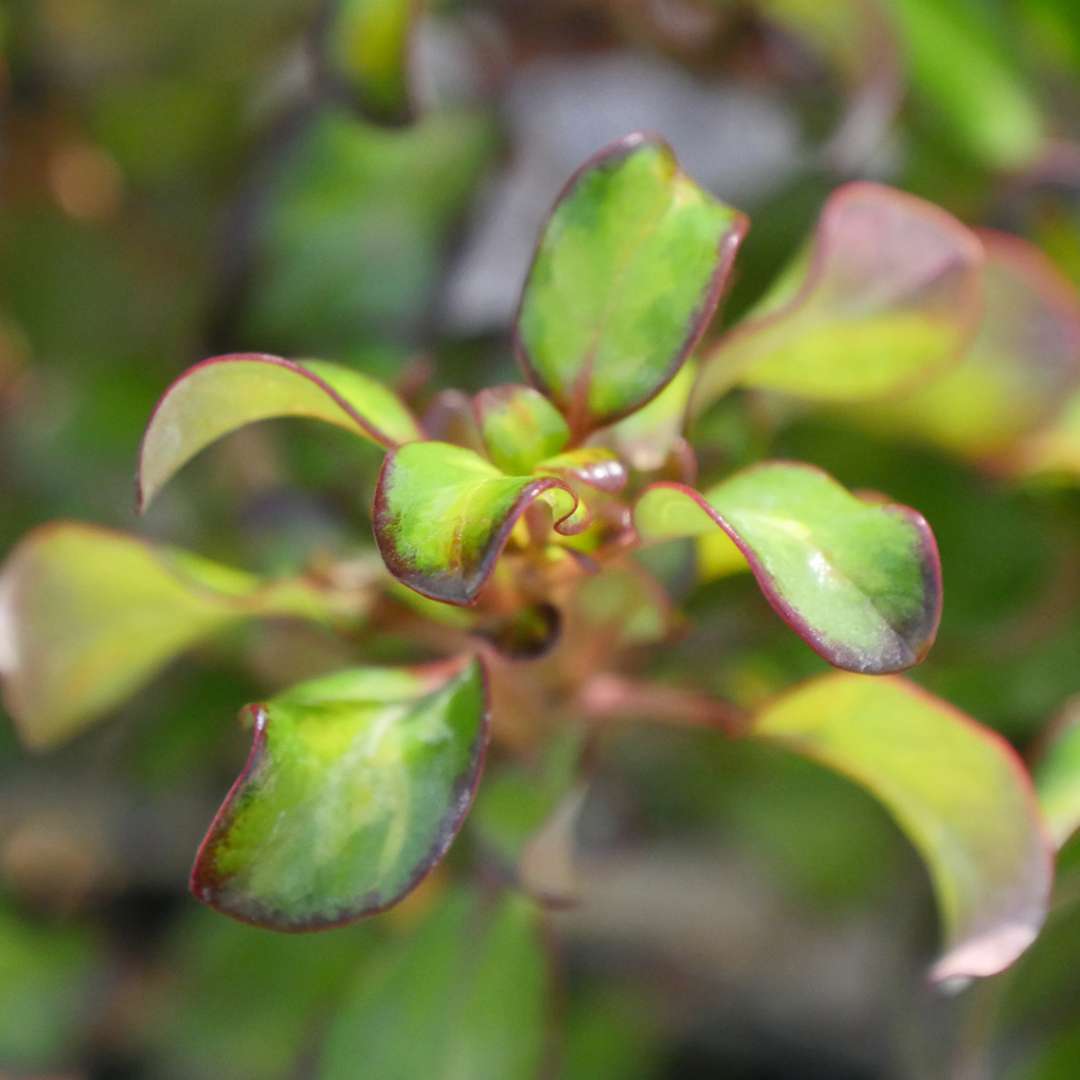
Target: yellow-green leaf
{"points": [[1057, 775], [443, 514], [888, 291], [1014, 375], [88, 615], [365, 54], [225, 393], [957, 790], [519, 426]]}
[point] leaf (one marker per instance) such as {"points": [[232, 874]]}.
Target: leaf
{"points": [[356, 785], [520, 796], [243, 1003], [958, 791], [964, 75], [1055, 449], [519, 426], [595, 467], [365, 53], [88, 615], [628, 271], [1057, 775], [443, 514], [470, 988], [860, 582], [350, 244], [888, 291], [222, 394], [1021, 365], [647, 437]]}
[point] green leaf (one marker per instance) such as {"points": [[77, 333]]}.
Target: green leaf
{"points": [[888, 291], [356, 785], [958, 791], [465, 998], [519, 426], [365, 47], [49, 982], [1021, 365], [88, 615], [859, 581], [222, 394], [646, 438], [443, 515], [1057, 775], [628, 271], [519, 797], [964, 75], [241, 1003]]}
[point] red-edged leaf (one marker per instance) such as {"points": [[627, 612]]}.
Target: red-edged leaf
{"points": [[443, 514], [356, 785], [889, 291], [859, 581], [225, 393], [627, 273], [958, 791]]}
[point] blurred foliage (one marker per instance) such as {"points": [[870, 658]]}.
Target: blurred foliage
{"points": [[175, 181]]}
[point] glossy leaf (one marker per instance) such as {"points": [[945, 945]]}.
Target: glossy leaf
{"points": [[469, 987], [225, 393], [1057, 775], [860, 582], [365, 52], [443, 515], [888, 291], [88, 615], [520, 427], [958, 791], [628, 271], [356, 785], [593, 466], [1022, 363]]}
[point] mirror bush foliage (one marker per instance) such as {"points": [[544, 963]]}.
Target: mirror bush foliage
{"points": [[631, 556]]}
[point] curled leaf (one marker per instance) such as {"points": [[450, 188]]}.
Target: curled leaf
{"points": [[594, 466], [88, 615], [889, 291], [1057, 775], [520, 427], [364, 49], [958, 791], [1015, 374], [628, 271], [860, 582], [356, 785], [443, 514], [222, 394]]}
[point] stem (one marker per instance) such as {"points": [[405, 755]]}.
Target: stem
{"points": [[612, 696]]}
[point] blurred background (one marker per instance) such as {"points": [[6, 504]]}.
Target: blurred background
{"points": [[186, 177]]}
